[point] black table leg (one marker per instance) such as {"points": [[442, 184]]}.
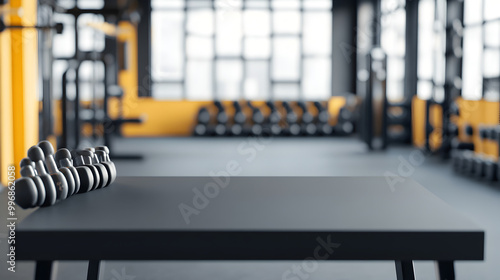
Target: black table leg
{"points": [[445, 270], [93, 271], [43, 270], [404, 270]]}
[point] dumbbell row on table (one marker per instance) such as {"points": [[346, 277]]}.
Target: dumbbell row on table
{"points": [[47, 180]]}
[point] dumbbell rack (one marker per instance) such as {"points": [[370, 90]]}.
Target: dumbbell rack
{"points": [[271, 118]]}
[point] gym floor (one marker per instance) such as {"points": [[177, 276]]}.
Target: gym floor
{"points": [[292, 157]]}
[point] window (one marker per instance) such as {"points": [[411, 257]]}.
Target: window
{"points": [[234, 49], [431, 62], [481, 66], [392, 39]]}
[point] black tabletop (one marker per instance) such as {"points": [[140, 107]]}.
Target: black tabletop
{"points": [[251, 218]]}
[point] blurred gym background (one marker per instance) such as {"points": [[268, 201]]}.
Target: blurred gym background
{"points": [[285, 87]]}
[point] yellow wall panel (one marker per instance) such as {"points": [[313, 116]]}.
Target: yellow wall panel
{"points": [[490, 117], [436, 121], [418, 121], [6, 125], [24, 67]]}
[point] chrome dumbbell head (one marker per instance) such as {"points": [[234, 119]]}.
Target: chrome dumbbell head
{"points": [[36, 155], [29, 171], [83, 173], [83, 158], [68, 167], [48, 152]]}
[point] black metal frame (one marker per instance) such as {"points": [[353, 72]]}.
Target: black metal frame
{"points": [[144, 49], [445, 270], [45, 70], [109, 59], [411, 60], [409, 25], [453, 70]]}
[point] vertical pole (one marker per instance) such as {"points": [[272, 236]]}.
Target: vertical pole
{"points": [[144, 49], [445, 270], [411, 58], [93, 270], [344, 47], [404, 270], [43, 270]]}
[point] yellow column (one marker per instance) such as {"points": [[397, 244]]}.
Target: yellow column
{"points": [[418, 121], [6, 128], [24, 46]]}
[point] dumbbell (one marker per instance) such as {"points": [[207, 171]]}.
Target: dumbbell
{"points": [[103, 170], [465, 157], [239, 120], [66, 165], [307, 125], [483, 133], [324, 128], [84, 173], [479, 167], [78, 161], [468, 163], [469, 130], [26, 193], [345, 121], [495, 134], [307, 117], [221, 119], [490, 170], [84, 158], [257, 119], [25, 162], [102, 152], [273, 119], [36, 154], [291, 118], [322, 125], [203, 116], [323, 115], [51, 165], [203, 119], [203, 130], [239, 115], [28, 170], [479, 162]]}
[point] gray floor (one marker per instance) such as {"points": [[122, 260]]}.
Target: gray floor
{"points": [[480, 201]]}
